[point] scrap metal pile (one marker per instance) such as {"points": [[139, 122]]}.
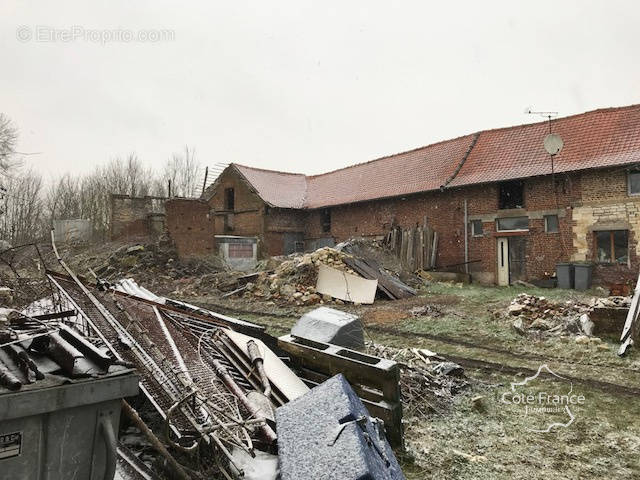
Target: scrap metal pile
{"points": [[212, 386]]}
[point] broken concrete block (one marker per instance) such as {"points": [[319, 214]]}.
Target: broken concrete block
{"points": [[582, 340], [586, 324], [327, 434], [328, 325], [518, 326]]}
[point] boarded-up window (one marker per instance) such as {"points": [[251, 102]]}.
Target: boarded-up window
{"points": [[240, 250]]}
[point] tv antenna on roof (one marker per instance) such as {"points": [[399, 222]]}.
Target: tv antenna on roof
{"points": [[553, 143]]}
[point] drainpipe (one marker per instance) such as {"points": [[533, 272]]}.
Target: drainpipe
{"points": [[466, 238]]}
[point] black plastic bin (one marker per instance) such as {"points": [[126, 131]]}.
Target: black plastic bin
{"points": [[582, 276], [564, 272]]}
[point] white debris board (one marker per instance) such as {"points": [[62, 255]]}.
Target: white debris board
{"points": [[345, 286]]}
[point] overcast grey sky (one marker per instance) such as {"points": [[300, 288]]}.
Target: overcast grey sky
{"points": [[297, 85]]}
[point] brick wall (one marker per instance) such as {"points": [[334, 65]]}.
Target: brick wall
{"points": [[135, 216], [190, 226], [585, 201]]}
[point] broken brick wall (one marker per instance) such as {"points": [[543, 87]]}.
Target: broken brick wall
{"points": [[136, 216], [190, 227], [283, 227]]}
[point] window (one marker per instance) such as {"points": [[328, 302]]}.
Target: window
{"points": [[551, 223], [511, 194], [612, 246], [634, 182], [476, 228], [229, 199], [326, 220], [512, 223]]}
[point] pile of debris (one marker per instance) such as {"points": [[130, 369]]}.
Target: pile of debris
{"points": [[294, 280], [297, 279], [537, 316], [428, 382]]}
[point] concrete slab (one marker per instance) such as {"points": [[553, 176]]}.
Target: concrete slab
{"points": [[329, 325], [328, 434]]}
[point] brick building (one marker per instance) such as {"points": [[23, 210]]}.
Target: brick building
{"points": [[522, 216]]}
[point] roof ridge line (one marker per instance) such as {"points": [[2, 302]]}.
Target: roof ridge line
{"points": [[391, 155], [461, 162]]}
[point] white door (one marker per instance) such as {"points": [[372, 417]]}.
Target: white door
{"points": [[503, 261]]}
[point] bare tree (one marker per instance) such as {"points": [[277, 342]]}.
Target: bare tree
{"points": [[8, 139], [22, 218], [183, 170]]}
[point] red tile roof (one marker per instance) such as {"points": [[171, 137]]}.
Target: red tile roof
{"points": [[279, 189], [601, 138]]}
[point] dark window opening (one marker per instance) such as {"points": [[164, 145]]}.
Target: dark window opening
{"points": [[634, 182], [551, 223], [612, 246], [511, 195], [229, 199], [326, 220], [476, 228], [512, 223], [298, 246]]}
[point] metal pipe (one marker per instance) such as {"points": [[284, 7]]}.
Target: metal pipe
{"points": [[177, 469], [233, 387], [466, 238], [258, 362]]}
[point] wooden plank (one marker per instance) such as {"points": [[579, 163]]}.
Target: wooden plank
{"points": [[434, 251], [389, 285], [629, 325]]}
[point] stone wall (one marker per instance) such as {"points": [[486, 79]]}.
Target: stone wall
{"points": [[136, 216]]}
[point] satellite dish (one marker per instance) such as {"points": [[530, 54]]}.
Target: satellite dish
{"points": [[553, 144]]}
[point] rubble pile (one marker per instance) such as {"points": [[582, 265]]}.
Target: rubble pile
{"points": [[294, 280], [428, 382], [541, 317]]}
